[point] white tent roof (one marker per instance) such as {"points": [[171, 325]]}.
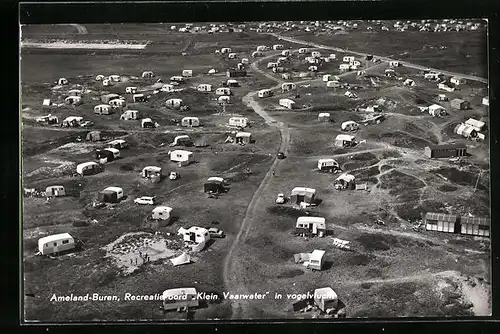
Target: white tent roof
{"points": [[189, 117], [174, 100], [327, 160], [344, 137], [74, 118], [181, 152], [324, 114], [181, 137], [345, 177], [215, 178], [102, 106], [117, 141], [197, 229], [243, 134], [303, 190], [155, 168], [144, 120], [346, 123], [238, 118], [85, 164], [181, 259], [308, 219], [435, 106]]}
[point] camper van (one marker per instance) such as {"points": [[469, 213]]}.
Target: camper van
{"points": [[117, 103], [148, 123], [204, 88], [182, 157], [328, 165], [349, 126], [238, 121], [173, 103], [190, 121], [147, 74], [177, 78], [288, 86], [102, 109], [111, 195], [223, 91], [187, 73], [55, 191], [88, 168], [162, 213], [167, 88], [56, 243], [151, 171], [179, 298], [130, 90], [287, 103], [265, 93], [73, 100], [130, 115]]}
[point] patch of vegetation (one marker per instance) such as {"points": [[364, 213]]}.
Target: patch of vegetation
{"points": [[367, 173], [360, 259], [447, 188], [290, 273], [389, 154], [285, 211], [374, 242], [364, 156], [463, 178], [80, 223], [385, 168], [374, 272], [366, 285], [401, 139], [400, 184], [398, 291]]}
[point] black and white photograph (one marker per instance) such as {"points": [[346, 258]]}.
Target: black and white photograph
{"points": [[261, 170]]}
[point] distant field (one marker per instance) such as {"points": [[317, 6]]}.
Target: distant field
{"points": [[464, 52]]}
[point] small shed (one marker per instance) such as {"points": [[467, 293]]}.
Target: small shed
{"points": [[459, 104], [238, 121], [310, 225], [111, 195], [182, 157], [88, 168], [349, 126], [55, 191], [236, 73], [486, 101], [103, 109], [56, 243], [130, 115], [475, 226], [215, 185], [287, 103], [441, 222], [324, 117], [325, 299], [46, 103], [243, 138], [345, 182], [345, 141], [303, 194], [162, 213], [94, 136], [151, 172], [445, 151], [190, 121]]}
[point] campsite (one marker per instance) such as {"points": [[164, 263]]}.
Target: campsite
{"points": [[362, 153]]}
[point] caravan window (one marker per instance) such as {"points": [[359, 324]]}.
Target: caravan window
{"points": [[55, 244], [198, 235], [65, 242], [314, 261]]}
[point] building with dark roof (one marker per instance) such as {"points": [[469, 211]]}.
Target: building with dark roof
{"points": [[445, 151]]}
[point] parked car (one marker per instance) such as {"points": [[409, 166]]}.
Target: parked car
{"points": [[280, 199], [146, 200], [216, 232], [173, 176], [86, 124], [281, 155]]}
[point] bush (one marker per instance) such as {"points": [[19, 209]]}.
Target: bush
{"points": [[80, 223]]}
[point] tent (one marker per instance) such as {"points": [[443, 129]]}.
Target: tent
{"points": [[184, 258]]}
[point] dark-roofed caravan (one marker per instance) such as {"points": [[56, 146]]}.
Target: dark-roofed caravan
{"points": [[445, 151]]}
